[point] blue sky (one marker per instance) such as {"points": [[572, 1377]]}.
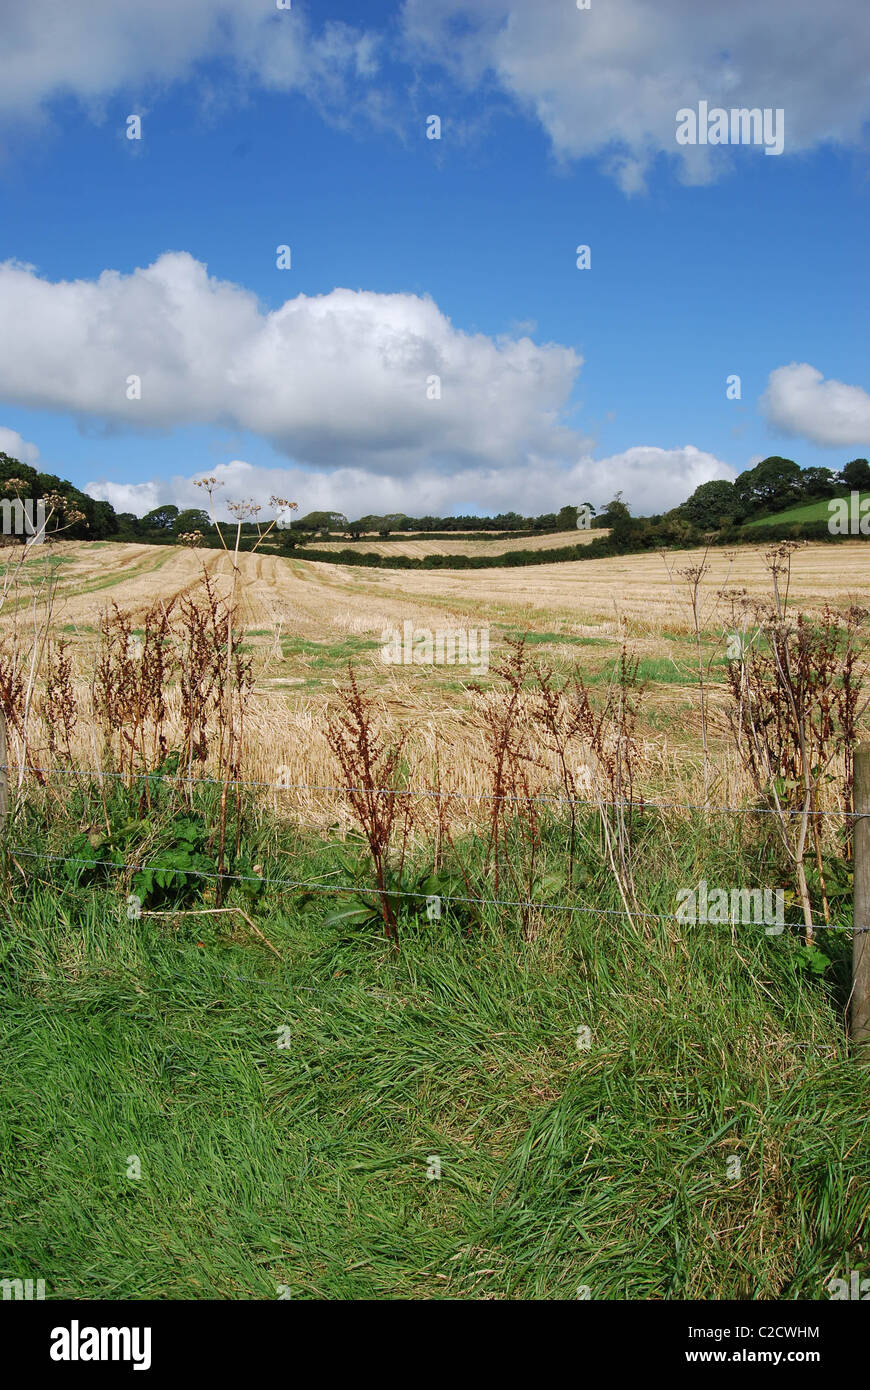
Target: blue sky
{"points": [[307, 127]]}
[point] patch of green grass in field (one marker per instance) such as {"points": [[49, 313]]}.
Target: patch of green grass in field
{"points": [[306, 1165], [299, 646], [651, 670], [37, 566], [807, 511], [80, 586], [332, 657], [350, 647], [121, 576], [328, 653], [555, 639], [458, 687]]}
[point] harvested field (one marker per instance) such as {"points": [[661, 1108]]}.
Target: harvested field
{"points": [[305, 622], [418, 547]]}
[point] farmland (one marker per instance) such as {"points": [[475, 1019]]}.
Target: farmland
{"points": [[304, 622], [418, 547], [318, 1087]]}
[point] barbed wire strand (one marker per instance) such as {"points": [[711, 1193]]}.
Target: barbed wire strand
{"points": [[544, 797], [405, 893]]}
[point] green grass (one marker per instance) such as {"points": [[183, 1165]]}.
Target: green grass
{"points": [[651, 670], [807, 511], [554, 639], [36, 571], [326, 655], [306, 1166]]}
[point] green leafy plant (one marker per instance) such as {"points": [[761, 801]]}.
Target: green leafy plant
{"points": [[409, 896], [176, 868], [176, 860], [811, 960]]}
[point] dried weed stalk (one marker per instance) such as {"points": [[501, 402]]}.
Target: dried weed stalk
{"points": [[371, 768]]}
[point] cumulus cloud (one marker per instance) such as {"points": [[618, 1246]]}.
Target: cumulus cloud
{"points": [[51, 50], [604, 82], [342, 384], [609, 80], [349, 375], [12, 444], [140, 498], [799, 401], [652, 479]]}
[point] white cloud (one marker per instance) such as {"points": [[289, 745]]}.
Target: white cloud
{"points": [[140, 498], [338, 383], [330, 379], [652, 479], [51, 50], [604, 82], [799, 401], [12, 444], [609, 80]]}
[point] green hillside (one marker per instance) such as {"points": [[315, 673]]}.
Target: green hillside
{"points": [[806, 511]]}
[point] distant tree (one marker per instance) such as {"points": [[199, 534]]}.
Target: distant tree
{"points": [[617, 516], [393, 521], [711, 505], [98, 519], [856, 475], [33, 481], [289, 537], [192, 519], [616, 508], [323, 522], [507, 521], [160, 518], [128, 525], [769, 486], [567, 518], [818, 482]]}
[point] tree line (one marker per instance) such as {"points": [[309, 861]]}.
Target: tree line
{"points": [[771, 486]]}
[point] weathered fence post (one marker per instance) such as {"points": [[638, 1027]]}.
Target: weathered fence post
{"points": [[860, 1012], [4, 775]]}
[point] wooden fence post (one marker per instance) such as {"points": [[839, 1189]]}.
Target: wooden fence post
{"points": [[860, 1013], [4, 775]]}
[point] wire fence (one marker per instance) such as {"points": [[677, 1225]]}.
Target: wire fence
{"points": [[638, 803], [363, 890], [307, 886], [357, 890]]}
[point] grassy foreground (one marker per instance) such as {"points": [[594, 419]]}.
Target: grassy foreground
{"points": [[301, 1170]]}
